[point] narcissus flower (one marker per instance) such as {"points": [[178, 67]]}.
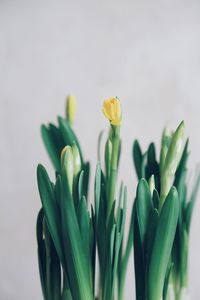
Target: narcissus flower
{"points": [[112, 111], [71, 109]]}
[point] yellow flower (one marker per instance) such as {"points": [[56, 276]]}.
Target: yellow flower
{"points": [[71, 108], [112, 111]]}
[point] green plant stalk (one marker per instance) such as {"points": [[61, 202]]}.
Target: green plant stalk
{"points": [[48, 258], [172, 285], [113, 168], [124, 261], [124, 265], [184, 266], [108, 155]]}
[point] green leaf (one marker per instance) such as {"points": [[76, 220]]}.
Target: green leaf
{"points": [[53, 268], [75, 255], [69, 135], [137, 158], [184, 245], [66, 294], [97, 191], [80, 185], [138, 260], [162, 246], [50, 208], [124, 258], [144, 207], [99, 146], [155, 199], [106, 263], [57, 138], [92, 243], [182, 165], [50, 147], [86, 177], [49, 263], [41, 252], [152, 167], [144, 165], [166, 284], [165, 143], [84, 225], [153, 222], [190, 206], [101, 230]]}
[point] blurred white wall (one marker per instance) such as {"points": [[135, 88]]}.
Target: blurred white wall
{"points": [[145, 52]]}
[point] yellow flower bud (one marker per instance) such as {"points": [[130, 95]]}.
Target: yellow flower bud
{"points": [[71, 109], [112, 111]]}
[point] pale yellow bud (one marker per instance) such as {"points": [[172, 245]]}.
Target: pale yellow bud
{"points": [[71, 109]]}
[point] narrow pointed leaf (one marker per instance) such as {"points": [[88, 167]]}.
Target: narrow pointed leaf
{"points": [[137, 158], [162, 247], [50, 147]]}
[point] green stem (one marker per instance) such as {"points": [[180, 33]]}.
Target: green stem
{"points": [[48, 260], [113, 168], [121, 286]]}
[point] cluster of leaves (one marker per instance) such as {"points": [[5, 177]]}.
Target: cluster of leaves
{"points": [[74, 237], [65, 228], [161, 232], [70, 234]]}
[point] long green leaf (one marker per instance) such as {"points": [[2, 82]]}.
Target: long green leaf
{"points": [[75, 255], [162, 246], [41, 252], [50, 147], [144, 206], [190, 206], [137, 158], [50, 208], [68, 134]]}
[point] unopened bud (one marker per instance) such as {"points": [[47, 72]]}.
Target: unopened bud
{"points": [[152, 184], [67, 165], [71, 109], [172, 160]]}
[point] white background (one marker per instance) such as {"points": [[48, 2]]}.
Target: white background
{"points": [[145, 52]]}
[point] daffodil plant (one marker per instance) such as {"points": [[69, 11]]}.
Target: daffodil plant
{"points": [[82, 254], [162, 218], [72, 237]]}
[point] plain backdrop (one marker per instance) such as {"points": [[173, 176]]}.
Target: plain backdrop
{"points": [[145, 52]]}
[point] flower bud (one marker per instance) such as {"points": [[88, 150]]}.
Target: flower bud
{"points": [[152, 184], [172, 160], [67, 165], [112, 111], [71, 109]]}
